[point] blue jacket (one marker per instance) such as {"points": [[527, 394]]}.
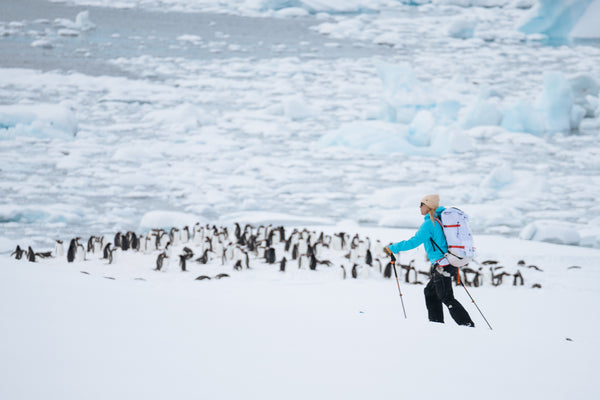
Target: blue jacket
{"points": [[426, 232]]}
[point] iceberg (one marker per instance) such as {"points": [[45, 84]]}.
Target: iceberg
{"points": [[404, 95], [557, 19], [554, 111], [40, 120]]}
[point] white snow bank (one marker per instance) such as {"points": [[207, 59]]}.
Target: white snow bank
{"points": [[553, 111], [167, 220], [557, 19], [552, 232], [40, 120]]}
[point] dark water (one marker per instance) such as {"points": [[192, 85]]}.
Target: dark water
{"points": [[135, 32]]}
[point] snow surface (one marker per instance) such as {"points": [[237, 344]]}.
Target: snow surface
{"points": [[125, 331]]}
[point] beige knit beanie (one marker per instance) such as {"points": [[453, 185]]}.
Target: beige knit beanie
{"points": [[432, 201]]}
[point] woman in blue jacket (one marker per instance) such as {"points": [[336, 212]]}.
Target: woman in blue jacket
{"points": [[439, 287]]}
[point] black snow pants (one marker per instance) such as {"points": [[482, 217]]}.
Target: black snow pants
{"points": [[438, 291]]}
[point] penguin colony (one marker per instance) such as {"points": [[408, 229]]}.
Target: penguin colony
{"points": [[242, 248]]}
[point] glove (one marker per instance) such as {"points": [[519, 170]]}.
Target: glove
{"points": [[448, 271], [387, 251]]}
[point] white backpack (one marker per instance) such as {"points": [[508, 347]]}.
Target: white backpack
{"points": [[455, 224]]}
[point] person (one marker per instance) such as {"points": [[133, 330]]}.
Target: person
{"points": [[438, 290]]}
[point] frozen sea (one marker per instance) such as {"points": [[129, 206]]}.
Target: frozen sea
{"points": [[317, 113]]}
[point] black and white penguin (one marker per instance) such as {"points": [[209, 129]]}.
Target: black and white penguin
{"points": [[387, 272], [303, 262], [80, 253], [112, 255], [59, 248], [238, 265], [312, 264], [270, 255], [18, 253], [134, 243], [343, 271], [174, 236], [282, 264], [90, 244], [105, 251], [220, 276], [182, 260], [202, 277], [204, 258], [71, 252], [160, 261], [369, 257], [30, 254], [185, 235], [117, 240], [125, 243]]}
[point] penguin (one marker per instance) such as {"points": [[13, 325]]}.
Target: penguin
{"points": [[125, 243], [185, 234], [105, 251], [202, 277], [72, 250], [312, 264], [281, 230], [343, 271], [18, 253], [204, 259], [80, 253], [188, 253], [303, 262], [238, 265], [59, 248], [160, 260], [90, 244], [282, 264], [369, 258], [355, 271], [270, 255], [238, 231], [44, 254], [295, 252], [98, 244], [182, 259], [117, 240], [134, 242], [174, 236], [387, 272], [220, 276], [112, 255], [30, 254]]}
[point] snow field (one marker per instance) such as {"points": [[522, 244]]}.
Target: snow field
{"points": [[262, 333]]}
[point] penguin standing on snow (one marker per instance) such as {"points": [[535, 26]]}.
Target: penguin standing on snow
{"points": [[30, 254], [72, 250], [160, 260], [18, 253], [282, 264], [106, 251], [59, 249]]}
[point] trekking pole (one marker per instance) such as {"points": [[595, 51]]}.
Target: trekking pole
{"points": [[398, 282], [486, 321]]}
